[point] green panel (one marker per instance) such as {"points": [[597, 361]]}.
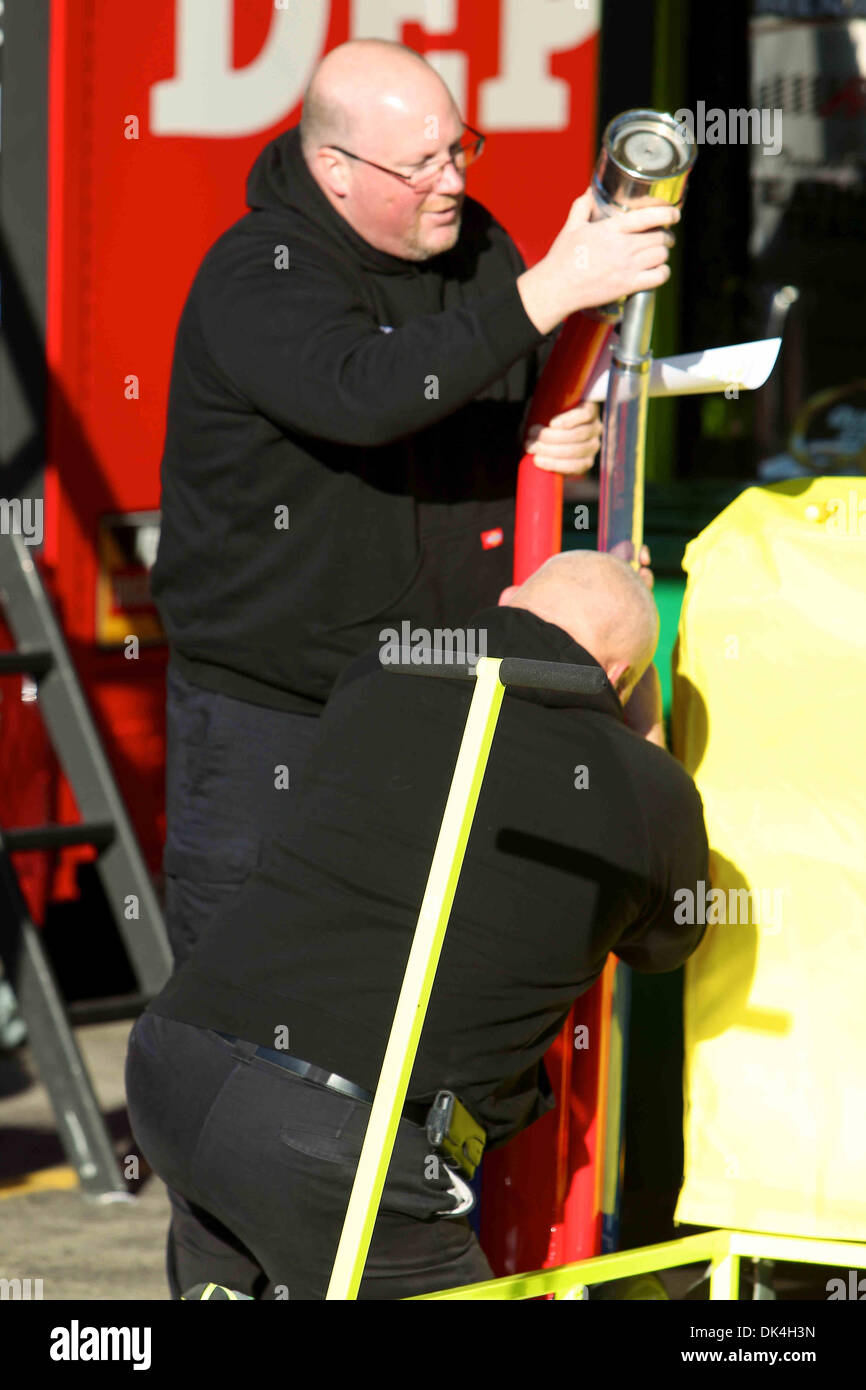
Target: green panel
{"points": [[669, 597]]}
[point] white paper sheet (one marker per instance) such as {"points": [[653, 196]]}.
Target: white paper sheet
{"points": [[743, 365]]}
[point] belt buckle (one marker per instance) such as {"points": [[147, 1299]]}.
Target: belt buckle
{"points": [[451, 1128], [439, 1118]]}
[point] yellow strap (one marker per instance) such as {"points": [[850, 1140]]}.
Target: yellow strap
{"points": [[417, 982]]}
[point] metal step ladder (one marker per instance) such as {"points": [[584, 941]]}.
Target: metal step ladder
{"points": [[42, 653]]}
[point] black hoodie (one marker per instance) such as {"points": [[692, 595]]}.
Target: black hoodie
{"points": [[342, 437]]}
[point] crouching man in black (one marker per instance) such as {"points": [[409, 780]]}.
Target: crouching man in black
{"points": [[249, 1077]]}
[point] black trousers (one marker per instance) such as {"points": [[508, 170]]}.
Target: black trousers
{"points": [[259, 1165], [221, 806], [221, 799]]}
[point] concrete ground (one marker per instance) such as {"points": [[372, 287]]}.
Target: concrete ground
{"points": [[79, 1248]]}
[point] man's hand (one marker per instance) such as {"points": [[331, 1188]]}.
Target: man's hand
{"points": [[623, 549], [643, 710], [595, 262], [569, 443]]}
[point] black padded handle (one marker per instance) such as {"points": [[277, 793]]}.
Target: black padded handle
{"points": [[552, 675], [514, 670]]}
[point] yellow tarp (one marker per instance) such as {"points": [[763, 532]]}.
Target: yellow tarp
{"points": [[770, 719]]}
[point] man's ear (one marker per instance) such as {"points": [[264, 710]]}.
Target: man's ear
{"points": [[619, 675], [505, 596], [332, 171]]}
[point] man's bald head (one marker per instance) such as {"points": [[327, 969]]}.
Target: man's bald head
{"points": [[356, 80], [383, 104], [602, 603]]}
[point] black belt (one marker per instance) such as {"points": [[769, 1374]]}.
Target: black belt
{"points": [[413, 1110], [450, 1127]]}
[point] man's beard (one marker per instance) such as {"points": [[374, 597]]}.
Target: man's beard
{"points": [[416, 251]]}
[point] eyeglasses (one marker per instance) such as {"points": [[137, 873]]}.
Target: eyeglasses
{"points": [[427, 176]]}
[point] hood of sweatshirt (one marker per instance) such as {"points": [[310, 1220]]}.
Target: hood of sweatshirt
{"points": [[280, 179]]}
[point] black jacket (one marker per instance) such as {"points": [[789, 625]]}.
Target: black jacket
{"points": [[555, 876], [394, 453]]}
